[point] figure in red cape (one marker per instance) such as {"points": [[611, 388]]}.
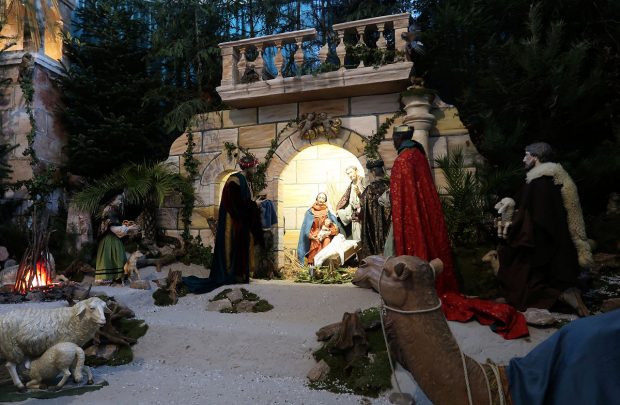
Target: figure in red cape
{"points": [[418, 225]]}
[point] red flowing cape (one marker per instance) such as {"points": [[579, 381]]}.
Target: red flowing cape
{"points": [[417, 218]]}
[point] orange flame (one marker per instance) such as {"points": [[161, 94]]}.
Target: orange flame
{"points": [[39, 278]]}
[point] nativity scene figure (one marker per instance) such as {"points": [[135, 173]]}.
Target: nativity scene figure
{"points": [[318, 229], [239, 231], [375, 213]]}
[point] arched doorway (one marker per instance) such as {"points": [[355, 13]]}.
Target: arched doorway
{"points": [[316, 168]]}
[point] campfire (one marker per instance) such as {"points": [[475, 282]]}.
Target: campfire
{"points": [[36, 269]]}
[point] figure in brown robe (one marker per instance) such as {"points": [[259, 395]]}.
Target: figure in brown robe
{"points": [[546, 244]]}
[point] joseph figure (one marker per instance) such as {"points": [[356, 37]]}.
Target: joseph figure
{"points": [[349, 207]]}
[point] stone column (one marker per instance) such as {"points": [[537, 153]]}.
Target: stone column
{"points": [[418, 115]]}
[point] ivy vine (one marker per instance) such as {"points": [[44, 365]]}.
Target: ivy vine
{"points": [[42, 183], [260, 177], [188, 199], [371, 149]]}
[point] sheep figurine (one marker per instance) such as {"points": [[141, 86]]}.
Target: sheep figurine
{"points": [[506, 209], [59, 358], [28, 333]]}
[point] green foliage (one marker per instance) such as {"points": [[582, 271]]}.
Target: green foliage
{"points": [[197, 253], [325, 275], [109, 108], [371, 149], [464, 206], [146, 185], [363, 376], [521, 72]]}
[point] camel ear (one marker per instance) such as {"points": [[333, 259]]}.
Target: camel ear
{"points": [[401, 271], [437, 266]]}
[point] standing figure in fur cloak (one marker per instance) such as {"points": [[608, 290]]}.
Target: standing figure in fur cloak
{"points": [[418, 225], [546, 243], [375, 215], [314, 219], [238, 231]]}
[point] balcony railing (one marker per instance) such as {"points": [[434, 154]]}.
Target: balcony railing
{"points": [[289, 66]]}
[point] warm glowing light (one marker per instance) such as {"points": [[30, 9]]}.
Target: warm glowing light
{"points": [[30, 279]]}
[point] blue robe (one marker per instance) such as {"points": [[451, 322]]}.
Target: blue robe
{"points": [[578, 365], [303, 246]]}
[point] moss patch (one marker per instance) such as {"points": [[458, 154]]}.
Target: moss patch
{"points": [[369, 376], [162, 297], [249, 296], [221, 295], [263, 306], [9, 393]]}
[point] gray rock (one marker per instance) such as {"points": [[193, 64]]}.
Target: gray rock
{"points": [[10, 263], [219, 305], [246, 306], [319, 371], [4, 254], [235, 295], [8, 275]]}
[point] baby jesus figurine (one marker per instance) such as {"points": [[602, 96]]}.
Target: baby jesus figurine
{"points": [[326, 230]]}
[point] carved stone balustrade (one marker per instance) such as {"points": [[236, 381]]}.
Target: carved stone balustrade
{"points": [[252, 69]]}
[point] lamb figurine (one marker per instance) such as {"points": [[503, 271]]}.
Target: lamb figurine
{"points": [[59, 358], [131, 267], [506, 209], [28, 333]]}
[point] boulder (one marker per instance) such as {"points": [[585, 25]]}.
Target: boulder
{"points": [[319, 371], [219, 305]]}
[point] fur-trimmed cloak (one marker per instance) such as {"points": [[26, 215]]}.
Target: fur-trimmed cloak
{"points": [[546, 243]]}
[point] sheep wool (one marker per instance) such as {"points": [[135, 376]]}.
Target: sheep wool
{"points": [[28, 333]]}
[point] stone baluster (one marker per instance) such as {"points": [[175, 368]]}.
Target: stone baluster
{"points": [[381, 42], [360, 41], [242, 62], [299, 55], [259, 63], [341, 49], [400, 27], [418, 108], [324, 51], [229, 66], [278, 59]]}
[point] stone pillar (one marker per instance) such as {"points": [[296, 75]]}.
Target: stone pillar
{"points": [[418, 115]]}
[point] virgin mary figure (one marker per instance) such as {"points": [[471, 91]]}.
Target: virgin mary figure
{"points": [[317, 230]]}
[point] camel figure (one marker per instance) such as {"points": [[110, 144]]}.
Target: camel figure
{"points": [[578, 363], [422, 342]]}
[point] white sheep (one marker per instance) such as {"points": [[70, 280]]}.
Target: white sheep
{"points": [[59, 358], [505, 208], [28, 333], [338, 246]]}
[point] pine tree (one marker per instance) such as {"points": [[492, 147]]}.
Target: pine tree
{"points": [[521, 73], [109, 113]]}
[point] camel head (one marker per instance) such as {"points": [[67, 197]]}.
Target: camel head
{"points": [[408, 282]]}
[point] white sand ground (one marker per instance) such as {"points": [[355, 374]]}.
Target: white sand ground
{"points": [[192, 356]]}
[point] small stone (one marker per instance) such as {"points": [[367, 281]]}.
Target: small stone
{"points": [[319, 371], [4, 254], [219, 305], [140, 284], [105, 352], [235, 295], [10, 263], [246, 306]]}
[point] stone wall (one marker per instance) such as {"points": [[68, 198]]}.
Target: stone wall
{"points": [[254, 128]]}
